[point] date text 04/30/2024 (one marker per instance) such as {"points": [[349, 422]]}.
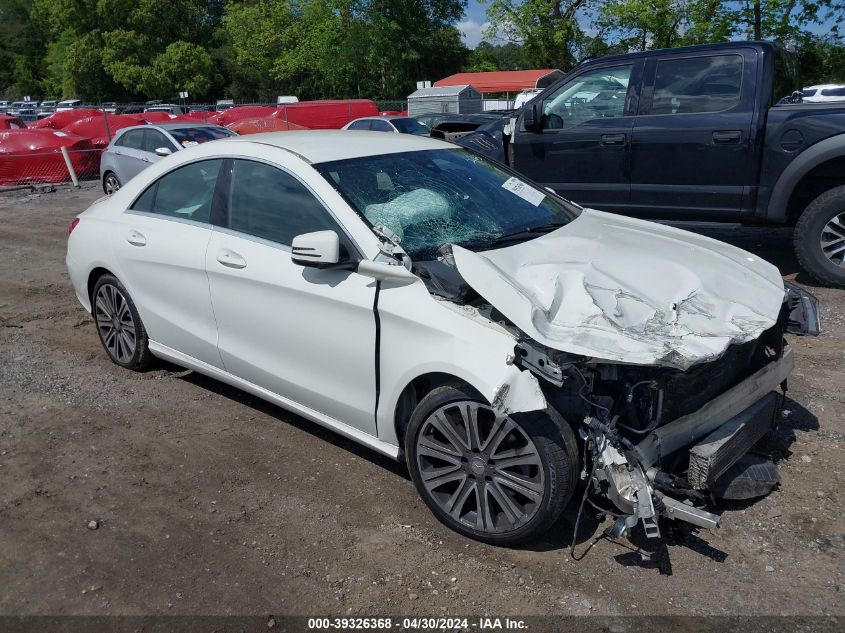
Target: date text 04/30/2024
{"points": [[418, 624]]}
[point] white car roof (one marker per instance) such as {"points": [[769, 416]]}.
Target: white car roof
{"points": [[322, 146]]}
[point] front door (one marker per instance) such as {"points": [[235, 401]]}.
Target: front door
{"points": [[691, 154], [130, 154], [305, 334], [582, 150]]}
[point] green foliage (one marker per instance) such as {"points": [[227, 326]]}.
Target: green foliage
{"points": [[182, 66], [257, 49], [822, 60], [548, 30], [487, 57]]}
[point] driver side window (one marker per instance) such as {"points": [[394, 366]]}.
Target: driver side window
{"points": [[595, 94], [271, 204]]}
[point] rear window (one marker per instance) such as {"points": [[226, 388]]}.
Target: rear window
{"points": [[697, 84], [188, 136], [833, 92]]}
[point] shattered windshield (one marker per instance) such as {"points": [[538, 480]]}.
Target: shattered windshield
{"points": [[444, 196]]}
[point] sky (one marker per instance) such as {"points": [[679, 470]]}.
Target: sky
{"points": [[474, 23]]}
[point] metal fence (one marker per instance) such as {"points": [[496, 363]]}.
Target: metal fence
{"points": [[49, 166]]}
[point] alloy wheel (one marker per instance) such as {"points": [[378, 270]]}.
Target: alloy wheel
{"points": [[832, 239], [112, 184], [115, 324], [479, 467]]}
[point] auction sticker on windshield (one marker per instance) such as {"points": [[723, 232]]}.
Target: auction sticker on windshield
{"points": [[524, 191]]}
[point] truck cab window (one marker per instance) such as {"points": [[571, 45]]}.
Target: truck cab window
{"points": [[595, 94], [697, 84]]}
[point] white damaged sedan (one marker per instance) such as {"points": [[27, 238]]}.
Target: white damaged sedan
{"points": [[441, 309]]}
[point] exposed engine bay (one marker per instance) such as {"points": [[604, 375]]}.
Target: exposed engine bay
{"points": [[658, 440]]}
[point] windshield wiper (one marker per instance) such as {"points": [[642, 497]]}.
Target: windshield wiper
{"points": [[528, 233]]}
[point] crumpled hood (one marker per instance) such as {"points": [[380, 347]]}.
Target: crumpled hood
{"points": [[627, 290]]}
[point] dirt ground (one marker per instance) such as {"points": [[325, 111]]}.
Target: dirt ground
{"points": [[210, 501]]}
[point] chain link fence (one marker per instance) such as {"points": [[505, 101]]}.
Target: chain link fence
{"points": [[49, 166]]}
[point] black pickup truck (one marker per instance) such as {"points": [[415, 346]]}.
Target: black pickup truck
{"points": [[715, 133]]}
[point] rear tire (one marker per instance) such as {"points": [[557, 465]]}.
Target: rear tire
{"points": [[119, 325], [498, 479], [820, 237]]}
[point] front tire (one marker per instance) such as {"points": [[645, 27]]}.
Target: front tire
{"points": [[119, 325], [820, 237], [111, 183], [499, 479]]}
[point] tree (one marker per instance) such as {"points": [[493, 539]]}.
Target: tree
{"points": [[646, 24], [549, 31], [182, 66], [821, 59], [343, 48]]}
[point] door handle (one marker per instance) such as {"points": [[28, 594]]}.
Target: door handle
{"points": [[136, 238], [612, 139], [727, 136], [230, 259]]}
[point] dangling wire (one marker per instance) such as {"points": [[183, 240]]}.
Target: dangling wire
{"points": [[584, 500]]}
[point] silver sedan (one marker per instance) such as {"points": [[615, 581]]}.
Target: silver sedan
{"points": [[133, 149]]}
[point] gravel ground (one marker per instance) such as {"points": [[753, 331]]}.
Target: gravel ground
{"points": [[209, 501]]}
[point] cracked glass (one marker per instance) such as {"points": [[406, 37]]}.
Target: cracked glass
{"points": [[434, 197]]}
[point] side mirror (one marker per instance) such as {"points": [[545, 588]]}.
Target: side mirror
{"points": [[318, 249], [533, 116], [163, 151]]}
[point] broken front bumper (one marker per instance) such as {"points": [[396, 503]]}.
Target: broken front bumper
{"points": [[688, 429], [717, 436]]}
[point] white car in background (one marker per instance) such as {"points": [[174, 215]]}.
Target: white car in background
{"points": [[439, 308], [525, 96], [823, 93], [68, 104], [394, 124]]}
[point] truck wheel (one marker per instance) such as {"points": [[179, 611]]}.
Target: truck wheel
{"points": [[500, 479], [820, 237]]}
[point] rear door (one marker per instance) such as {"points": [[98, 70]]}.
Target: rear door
{"points": [[583, 148], [691, 153], [161, 243]]}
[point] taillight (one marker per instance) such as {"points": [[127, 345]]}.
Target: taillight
{"points": [[72, 226]]}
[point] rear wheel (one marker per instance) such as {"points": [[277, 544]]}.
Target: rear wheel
{"points": [[119, 325], [501, 479], [110, 183], [820, 237]]}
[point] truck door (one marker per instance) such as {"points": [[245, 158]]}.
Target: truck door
{"points": [[691, 154], [582, 143]]}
